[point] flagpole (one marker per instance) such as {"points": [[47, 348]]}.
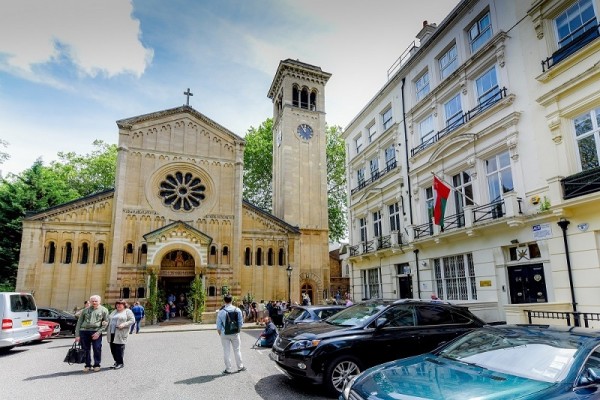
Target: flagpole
{"points": [[454, 189]]}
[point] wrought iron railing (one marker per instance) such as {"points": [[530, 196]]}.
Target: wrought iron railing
{"points": [[581, 184], [568, 316], [494, 96], [375, 176], [493, 210], [354, 250], [454, 221], [384, 242], [581, 36], [423, 230], [368, 246]]}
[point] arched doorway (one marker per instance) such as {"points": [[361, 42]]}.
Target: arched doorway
{"points": [[308, 289], [177, 271]]}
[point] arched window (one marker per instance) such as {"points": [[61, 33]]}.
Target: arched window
{"points": [[100, 254], [129, 248], [212, 257], [125, 293], [212, 291], [85, 253], [304, 98], [128, 256], [141, 293], [248, 257], [259, 257], [143, 254], [225, 255], [313, 101], [270, 256], [68, 253], [50, 253], [281, 258], [295, 96]]}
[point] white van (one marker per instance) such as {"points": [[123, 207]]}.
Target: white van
{"points": [[18, 313]]}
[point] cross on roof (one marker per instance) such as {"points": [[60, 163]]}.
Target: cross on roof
{"points": [[188, 94]]}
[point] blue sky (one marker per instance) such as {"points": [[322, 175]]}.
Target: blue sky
{"points": [[70, 68]]}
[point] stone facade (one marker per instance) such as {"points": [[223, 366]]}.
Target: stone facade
{"points": [[177, 211]]}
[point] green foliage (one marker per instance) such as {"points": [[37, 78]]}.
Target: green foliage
{"points": [[3, 155], [258, 165], [545, 204], [196, 298], [7, 286], [40, 187], [153, 307], [258, 174]]}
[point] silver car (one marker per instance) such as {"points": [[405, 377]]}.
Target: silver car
{"points": [[18, 313]]}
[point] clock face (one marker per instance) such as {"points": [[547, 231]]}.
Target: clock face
{"points": [[305, 131]]}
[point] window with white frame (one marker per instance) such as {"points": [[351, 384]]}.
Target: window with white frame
{"points": [[426, 128], [422, 85], [463, 191], [454, 114], [429, 203], [587, 134], [387, 118], [372, 129], [574, 21], [448, 62], [455, 277], [360, 176], [374, 165], [362, 226], [499, 176], [394, 212], [372, 283], [358, 142], [480, 32], [487, 88], [390, 157], [377, 223]]}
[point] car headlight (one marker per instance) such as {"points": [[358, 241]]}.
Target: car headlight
{"points": [[304, 344], [347, 387]]}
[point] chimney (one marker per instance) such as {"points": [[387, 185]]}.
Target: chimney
{"points": [[426, 31]]}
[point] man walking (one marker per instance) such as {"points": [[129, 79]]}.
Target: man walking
{"points": [[90, 325], [138, 312], [229, 323]]}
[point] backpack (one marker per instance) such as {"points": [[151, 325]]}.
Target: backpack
{"points": [[231, 322]]}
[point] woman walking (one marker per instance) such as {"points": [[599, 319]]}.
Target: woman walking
{"points": [[119, 322]]}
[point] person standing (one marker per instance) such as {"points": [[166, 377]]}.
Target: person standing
{"points": [[138, 312], [90, 325], [118, 330], [229, 340]]}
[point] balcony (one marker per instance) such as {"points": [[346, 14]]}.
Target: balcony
{"points": [[581, 184], [391, 241], [375, 176], [494, 96], [572, 43]]}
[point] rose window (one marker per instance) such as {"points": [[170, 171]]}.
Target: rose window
{"points": [[182, 191]]}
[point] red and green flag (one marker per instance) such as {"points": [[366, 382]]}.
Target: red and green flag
{"points": [[441, 192]]}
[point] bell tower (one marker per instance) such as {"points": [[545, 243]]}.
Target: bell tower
{"points": [[300, 167]]}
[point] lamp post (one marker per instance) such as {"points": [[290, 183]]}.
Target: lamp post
{"points": [[289, 273]]}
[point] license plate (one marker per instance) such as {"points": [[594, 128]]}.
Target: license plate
{"points": [[27, 322], [276, 357]]}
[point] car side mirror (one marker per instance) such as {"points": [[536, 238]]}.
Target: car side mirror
{"points": [[381, 323], [590, 376]]}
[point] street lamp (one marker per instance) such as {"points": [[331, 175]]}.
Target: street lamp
{"points": [[289, 272]]}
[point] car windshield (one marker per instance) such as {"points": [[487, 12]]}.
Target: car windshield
{"points": [[295, 313], [537, 357], [356, 314]]}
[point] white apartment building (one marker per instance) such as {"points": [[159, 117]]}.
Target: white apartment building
{"points": [[501, 100]]}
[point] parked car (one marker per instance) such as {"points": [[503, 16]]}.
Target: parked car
{"points": [[48, 329], [67, 321], [306, 314], [18, 313], [494, 362], [332, 351]]}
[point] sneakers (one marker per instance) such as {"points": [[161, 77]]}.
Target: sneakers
{"points": [[226, 372], [86, 369], [96, 369], [242, 369], [118, 366]]}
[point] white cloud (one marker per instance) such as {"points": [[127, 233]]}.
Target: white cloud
{"points": [[94, 36]]}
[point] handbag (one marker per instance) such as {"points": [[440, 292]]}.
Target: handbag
{"points": [[75, 355]]}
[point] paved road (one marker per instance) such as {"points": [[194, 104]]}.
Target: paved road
{"points": [[165, 365]]}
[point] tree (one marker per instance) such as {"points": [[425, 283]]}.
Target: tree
{"points": [[196, 298], [3, 155], [258, 174]]}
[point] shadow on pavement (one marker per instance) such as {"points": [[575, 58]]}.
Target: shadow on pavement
{"points": [[198, 380], [289, 388], [59, 374]]}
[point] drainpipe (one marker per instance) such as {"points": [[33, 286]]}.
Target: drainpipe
{"points": [[416, 251], [410, 214], [564, 224]]}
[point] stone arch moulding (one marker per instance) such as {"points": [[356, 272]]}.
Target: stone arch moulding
{"points": [[162, 249]]}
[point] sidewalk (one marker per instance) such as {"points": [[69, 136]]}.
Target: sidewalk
{"points": [[186, 327]]}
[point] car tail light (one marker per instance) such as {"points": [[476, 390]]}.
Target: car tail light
{"points": [[7, 323]]}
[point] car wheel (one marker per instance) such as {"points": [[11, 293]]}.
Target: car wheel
{"points": [[340, 371]]}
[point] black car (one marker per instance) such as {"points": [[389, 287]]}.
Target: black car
{"points": [[305, 314], [66, 320], [332, 351]]}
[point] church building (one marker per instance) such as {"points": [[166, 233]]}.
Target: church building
{"points": [[177, 211]]}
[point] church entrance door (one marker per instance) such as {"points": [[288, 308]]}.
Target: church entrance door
{"points": [[177, 271]]}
